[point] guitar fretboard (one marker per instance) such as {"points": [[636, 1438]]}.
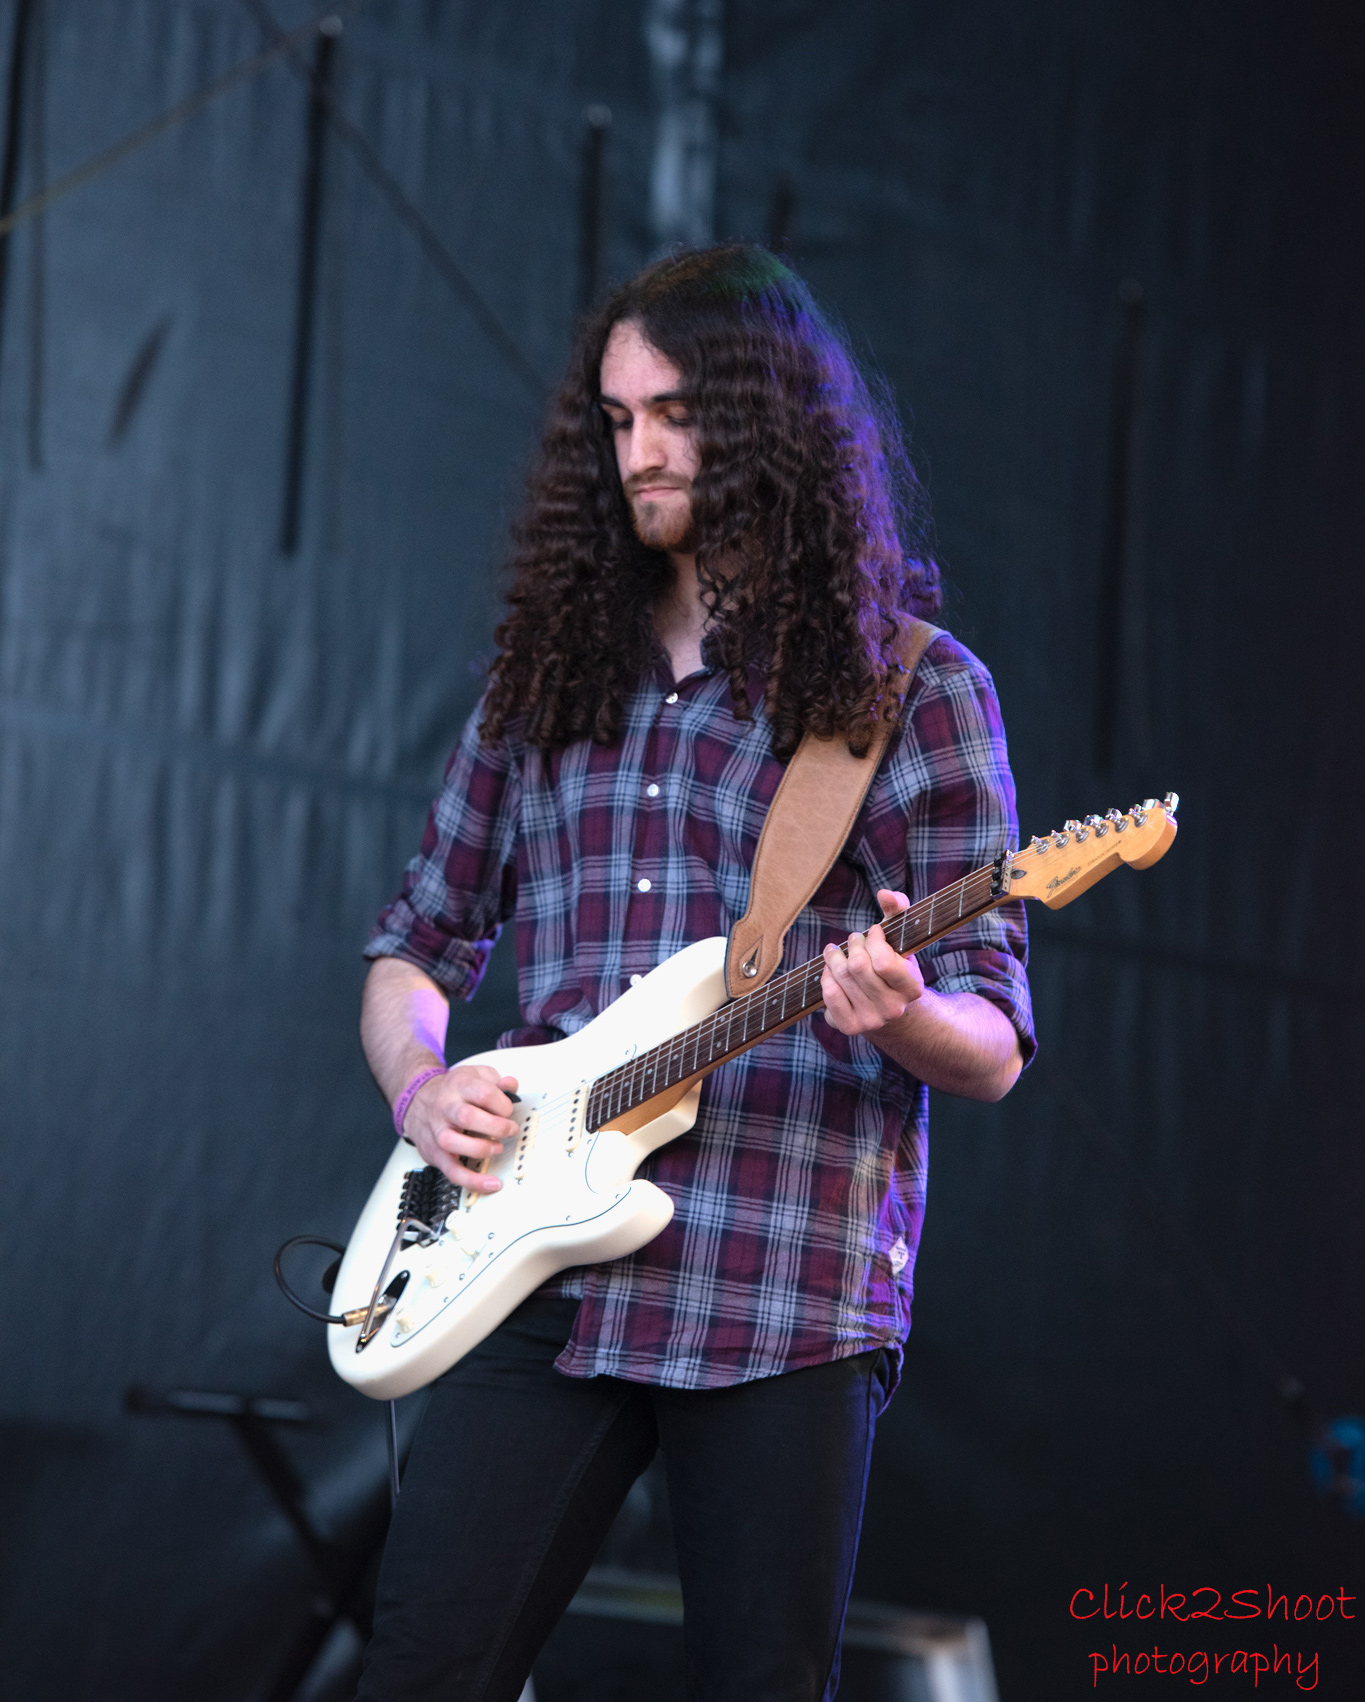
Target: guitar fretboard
{"points": [[742, 1023]]}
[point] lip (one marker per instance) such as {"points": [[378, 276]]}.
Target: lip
{"points": [[658, 490]]}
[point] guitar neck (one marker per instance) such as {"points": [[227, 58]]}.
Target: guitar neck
{"points": [[752, 1017]]}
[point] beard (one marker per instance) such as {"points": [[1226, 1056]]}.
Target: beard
{"points": [[663, 525]]}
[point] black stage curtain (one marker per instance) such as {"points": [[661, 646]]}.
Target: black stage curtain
{"points": [[1109, 260]]}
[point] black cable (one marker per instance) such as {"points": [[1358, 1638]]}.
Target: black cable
{"points": [[290, 1296], [391, 1422], [391, 1431]]}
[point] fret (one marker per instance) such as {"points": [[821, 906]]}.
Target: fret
{"points": [[746, 1020]]}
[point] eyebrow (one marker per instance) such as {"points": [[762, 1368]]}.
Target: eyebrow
{"points": [[650, 401]]}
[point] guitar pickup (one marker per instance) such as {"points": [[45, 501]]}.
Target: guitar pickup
{"points": [[525, 1143]]}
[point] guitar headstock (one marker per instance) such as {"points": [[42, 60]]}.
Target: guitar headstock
{"points": [[1064, 863]]}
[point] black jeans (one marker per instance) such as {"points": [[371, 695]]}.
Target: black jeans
{"points": [[518, 1471]]}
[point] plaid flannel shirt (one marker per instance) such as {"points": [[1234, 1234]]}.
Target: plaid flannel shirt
{"points": [[799, 1194]]}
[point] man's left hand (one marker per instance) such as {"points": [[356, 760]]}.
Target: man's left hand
{"points": [[870, 984]]}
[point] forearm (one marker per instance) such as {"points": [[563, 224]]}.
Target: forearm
{"points": [[456, 1119], [957, 1042], [403, 1017]]}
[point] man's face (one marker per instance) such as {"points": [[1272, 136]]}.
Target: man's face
{"points": [[656, 442]]}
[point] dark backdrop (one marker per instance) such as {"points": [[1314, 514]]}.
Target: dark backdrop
{"points": [[215, 753]]}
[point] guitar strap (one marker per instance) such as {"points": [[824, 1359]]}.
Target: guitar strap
{"points": [[810, 817]]}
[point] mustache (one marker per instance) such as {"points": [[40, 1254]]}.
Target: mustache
{"points": [[654, 481]]}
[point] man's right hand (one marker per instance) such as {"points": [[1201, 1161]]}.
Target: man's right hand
{"points": [[462, 1117]]}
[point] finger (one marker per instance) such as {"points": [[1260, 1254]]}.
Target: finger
{"points": [[891, 901], [875, 978], [900, 970], [479, 1132], [481, 1108], [482, 1087], [839, 1012], [483, 1075], [887, 963], [467, 1149], [873, 964], [472, 1151], [462, 1175], [846, 993]]}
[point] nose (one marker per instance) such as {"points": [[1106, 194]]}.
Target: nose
{"points": [[646, 449]]}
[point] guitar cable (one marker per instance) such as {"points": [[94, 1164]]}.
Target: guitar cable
{"points": [[391, 1431], [327, 1279]]}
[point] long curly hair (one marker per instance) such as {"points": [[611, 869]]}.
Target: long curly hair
{"points": [[800, 506]]}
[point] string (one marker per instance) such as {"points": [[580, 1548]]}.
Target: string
{"points": [[714, 1039]]}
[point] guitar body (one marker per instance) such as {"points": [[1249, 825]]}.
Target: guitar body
{"points": [[431, 1269], [568, 1196]]}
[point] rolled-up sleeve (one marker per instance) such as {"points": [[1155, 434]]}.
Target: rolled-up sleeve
{"points": [[949, 775], [462, 885]]}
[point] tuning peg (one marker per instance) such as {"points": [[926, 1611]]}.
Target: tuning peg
{"points": [[1171, 803], [1075, 828], [1097, 825], [1038, 846], [1120, 825], [1059, 839]]}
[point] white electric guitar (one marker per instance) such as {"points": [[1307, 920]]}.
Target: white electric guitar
{"points": [[432, 1268]]}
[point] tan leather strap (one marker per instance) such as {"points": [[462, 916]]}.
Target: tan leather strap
{"points": [[810, 817]]}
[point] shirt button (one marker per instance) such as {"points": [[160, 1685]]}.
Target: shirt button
{"points": [[635, 980], [672, 697], [644, 883], [651, 791]]}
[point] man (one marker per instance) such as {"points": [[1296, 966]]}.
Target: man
{"points": [[708, 566]]}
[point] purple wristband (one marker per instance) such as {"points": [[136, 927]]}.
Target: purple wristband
{"points": [[409, 1093]]}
